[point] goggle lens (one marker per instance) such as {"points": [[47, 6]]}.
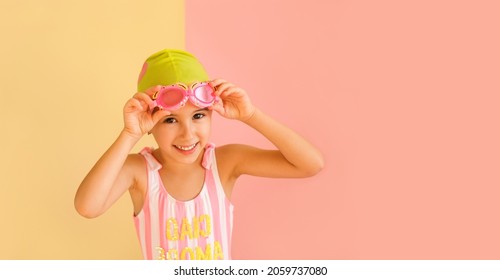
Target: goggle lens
{"points": [[170, 97], [204, 94]]}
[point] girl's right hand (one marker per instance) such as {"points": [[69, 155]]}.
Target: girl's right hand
{"points": [[138, 117]]}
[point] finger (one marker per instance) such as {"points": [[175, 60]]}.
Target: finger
{"points": [[215, 83], [222, 88], [219, 108], [132, 105], [162, 111], [145, 98], [154, 110], [231, 91], [218, 102], [152, 90]]}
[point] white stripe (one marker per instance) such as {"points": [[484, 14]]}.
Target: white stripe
{"points": [[189, 205]]}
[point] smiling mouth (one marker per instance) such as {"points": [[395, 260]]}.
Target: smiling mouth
{"points": [[186, 148]]}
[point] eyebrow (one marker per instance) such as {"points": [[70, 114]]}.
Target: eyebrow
{"points": [[197, 111]]}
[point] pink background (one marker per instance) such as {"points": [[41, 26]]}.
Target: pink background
{"points": [[403, 99]]}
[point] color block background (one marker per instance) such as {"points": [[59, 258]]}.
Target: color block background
{"points": [[67, 69], [401, 96]]}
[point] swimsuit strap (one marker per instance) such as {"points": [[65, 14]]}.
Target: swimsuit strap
{"points": [[208, 156], [153, 164]]}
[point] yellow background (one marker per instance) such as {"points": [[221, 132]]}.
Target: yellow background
{"points": [[67, 69]]}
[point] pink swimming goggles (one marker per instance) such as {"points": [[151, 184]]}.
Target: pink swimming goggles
{"points": [[175, 96]]}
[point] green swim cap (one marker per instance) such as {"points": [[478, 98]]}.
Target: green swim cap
{"points": [[168, 67]]}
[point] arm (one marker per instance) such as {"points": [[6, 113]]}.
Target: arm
{"points": [[294, 157], [116, 171], [110, 177]]}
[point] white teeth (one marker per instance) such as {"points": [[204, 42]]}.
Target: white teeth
{"points": [[184, 148]]}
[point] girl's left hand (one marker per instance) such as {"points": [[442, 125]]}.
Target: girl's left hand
{"points": [[235, 101]]}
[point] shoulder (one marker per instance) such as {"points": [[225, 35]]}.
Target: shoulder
{"points": [[227, 159], [230, 156], [226, 149], [135, 160], [235, 151], [136, 166], [231, 151], [224, 155]]}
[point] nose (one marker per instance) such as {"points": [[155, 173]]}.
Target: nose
{"points": [[187, 131]]}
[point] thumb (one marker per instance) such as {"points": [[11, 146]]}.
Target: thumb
{"points": [[218, 107], [158, 115]]}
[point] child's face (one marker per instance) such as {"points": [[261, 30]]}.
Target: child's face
{"points": [[183, 135]]}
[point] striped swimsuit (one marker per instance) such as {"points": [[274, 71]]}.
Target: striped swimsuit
{"points": [[198, 229]]}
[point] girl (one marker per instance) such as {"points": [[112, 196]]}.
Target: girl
{"points": [[181, 190]]}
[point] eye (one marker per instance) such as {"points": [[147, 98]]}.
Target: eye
{"points": [[198, 116], [170, 120]]}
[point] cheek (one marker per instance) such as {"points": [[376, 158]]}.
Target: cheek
{"points": [[163, 133], [204, 128]]}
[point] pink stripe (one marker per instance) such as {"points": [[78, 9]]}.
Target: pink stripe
{"points": [[147, 232], [214, 204], [199, 210]]}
